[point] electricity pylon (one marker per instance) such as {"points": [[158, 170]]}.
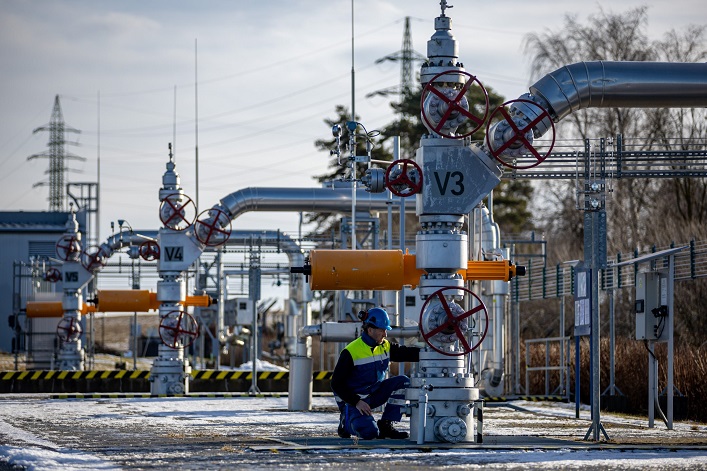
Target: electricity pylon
{"points": [[57, 156]]}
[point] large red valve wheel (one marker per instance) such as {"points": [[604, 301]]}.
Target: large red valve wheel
{"points": [[451, 325], [454, 104], [177, 211], [69, 329], [403, 184], [213, 227], [94, 258], [149, 250], [519, 134], [68, 248], [178, 328], [52, 275]]}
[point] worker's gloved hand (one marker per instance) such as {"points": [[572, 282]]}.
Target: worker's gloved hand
{"points": [[364, 408]]}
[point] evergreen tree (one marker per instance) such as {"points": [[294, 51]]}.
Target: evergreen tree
{"points": [[512, 197]]}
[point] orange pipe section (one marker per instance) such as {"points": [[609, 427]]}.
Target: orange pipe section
{"points": [[51, 309], [126, 301], [140, 301], [362, 269], [387, 270], [45, 309], [113, 301]]}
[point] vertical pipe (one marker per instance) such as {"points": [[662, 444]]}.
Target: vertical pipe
{"points": [[612, 341], [422, 418], [562, 344], [671, 343], [401, 293], [221, 308], [652, 380]]}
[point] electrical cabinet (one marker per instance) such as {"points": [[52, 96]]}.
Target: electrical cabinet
{"points": [[238, 311], [651, 306]]}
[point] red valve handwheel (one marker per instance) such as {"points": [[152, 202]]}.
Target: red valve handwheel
{"points": [[452, 322], [213, 231], [69, 329], [149, 250], [177, 215], [68, 248], [453, 104], [178, 327], [52, 275], [93, 258], [409, 187], [519, 134]]}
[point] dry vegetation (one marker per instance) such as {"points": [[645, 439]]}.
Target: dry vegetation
{"points": [[631, 373]]}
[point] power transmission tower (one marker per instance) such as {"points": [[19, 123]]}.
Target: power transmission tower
{"points": [[56, 156], [407, 57]]}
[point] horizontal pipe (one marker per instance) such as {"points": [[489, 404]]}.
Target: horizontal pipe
{"points": [[621, 84], [36, 309], [302, 199]]}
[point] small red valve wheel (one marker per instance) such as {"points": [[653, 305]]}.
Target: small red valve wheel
{"points": [[178, 329], [68, 248], [177, 211], [52, 275], [149, 250], [514, 136], [213, 227], [94, 258], [449, 107], [405, 182], [451, 326], [69, 329]]}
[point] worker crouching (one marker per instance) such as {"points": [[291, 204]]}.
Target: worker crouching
{"points": [[359, 382]]}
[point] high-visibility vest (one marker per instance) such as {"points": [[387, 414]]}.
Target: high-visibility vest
{"points": [[370, 365]]}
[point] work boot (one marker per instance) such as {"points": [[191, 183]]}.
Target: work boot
{"points": [[343, 433], [386, 430]]}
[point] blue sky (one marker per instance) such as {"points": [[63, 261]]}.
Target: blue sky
{"points": [[269, 73]]}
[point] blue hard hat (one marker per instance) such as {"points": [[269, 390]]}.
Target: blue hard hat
{"points": [[377, 317]]}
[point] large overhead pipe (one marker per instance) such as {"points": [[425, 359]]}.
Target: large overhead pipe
{"points": [[606, 84]]}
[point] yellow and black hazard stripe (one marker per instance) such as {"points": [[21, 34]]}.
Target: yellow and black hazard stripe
{"points": [[248, 375], [144, 374], [229, 375], [69, 375]]}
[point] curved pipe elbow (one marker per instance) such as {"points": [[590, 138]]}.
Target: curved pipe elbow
{"points": [[621, 84]]}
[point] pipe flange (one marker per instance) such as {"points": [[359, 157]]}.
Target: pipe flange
{"points": [[451, 429]]}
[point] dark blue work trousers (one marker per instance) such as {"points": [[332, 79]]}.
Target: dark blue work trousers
{"points": [[390, 392]]}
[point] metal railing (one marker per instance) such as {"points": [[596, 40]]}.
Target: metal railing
{"points": [[563, 368]]}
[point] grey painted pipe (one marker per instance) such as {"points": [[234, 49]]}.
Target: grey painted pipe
{"points": [[616, 84]]}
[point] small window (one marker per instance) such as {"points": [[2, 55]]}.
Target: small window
{"points": [[242, 306], [410, 301]]}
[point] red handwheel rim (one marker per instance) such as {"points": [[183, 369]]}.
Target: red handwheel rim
{"points": [[453, 104], [403, 179], [454, 322], [519, 134]]}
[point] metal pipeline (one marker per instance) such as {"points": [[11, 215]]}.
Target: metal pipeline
{"points": [[302, 199], [299, 293], [616, 84], [124, 239], [495, 291]]}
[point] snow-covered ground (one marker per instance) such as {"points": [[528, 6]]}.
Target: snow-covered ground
{"points": [[229, 433]]}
